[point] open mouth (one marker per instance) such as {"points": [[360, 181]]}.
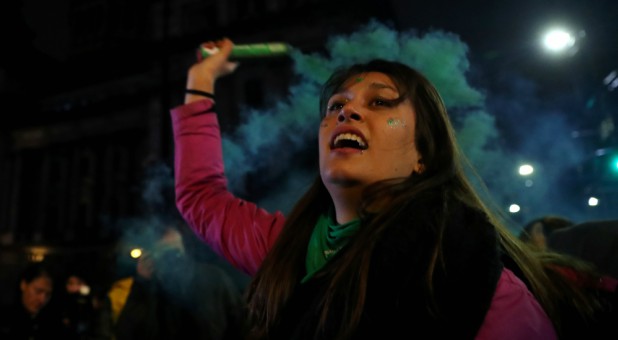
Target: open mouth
{"points": [[349, 140]]}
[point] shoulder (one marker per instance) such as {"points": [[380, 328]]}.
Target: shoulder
{"points": [[515, 313], [593, 241], [11, 316]]}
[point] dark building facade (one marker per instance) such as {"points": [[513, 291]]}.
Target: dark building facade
{"points": [[91, 114]]}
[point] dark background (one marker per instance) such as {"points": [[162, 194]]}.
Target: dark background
{"points": [[85, 140]]}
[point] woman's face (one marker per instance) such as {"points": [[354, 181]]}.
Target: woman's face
{"points": [[36, 293], [74, 284], [366, 134]]}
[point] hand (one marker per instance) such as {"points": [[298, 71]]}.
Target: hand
{"points": [[203, 74], [145, 266]]}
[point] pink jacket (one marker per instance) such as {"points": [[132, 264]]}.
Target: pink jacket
{"points": [[243, 233]]}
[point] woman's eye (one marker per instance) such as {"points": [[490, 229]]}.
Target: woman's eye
{"points": [[383, 102], [334, 107]]}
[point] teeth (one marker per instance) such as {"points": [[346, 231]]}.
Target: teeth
{"points": [[349, 136]]}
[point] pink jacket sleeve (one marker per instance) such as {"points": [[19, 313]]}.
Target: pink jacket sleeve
{"points": [[237, 229], [515, 314]]}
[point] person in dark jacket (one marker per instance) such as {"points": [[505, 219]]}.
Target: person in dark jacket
{"points": [[172, 296], [593, 241]]}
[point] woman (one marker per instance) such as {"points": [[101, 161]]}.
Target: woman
{"points": [[390, 240], [31, 316]]}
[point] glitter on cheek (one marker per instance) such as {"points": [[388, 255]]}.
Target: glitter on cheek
{"points": [[395, 122], [359, 79]]}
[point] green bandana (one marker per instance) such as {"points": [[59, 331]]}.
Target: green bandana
{"points": [[327, 238]]}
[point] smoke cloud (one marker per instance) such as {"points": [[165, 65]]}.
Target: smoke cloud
{"points": [[271, 157]]}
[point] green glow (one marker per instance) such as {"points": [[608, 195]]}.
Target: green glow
{"points": [[614, 164]]}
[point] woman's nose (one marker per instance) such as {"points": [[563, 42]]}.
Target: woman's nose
{"points": [[348, 112]]}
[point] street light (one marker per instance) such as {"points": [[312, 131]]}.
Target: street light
{"points": [[526, 170], [558, 40], [561, 41]]}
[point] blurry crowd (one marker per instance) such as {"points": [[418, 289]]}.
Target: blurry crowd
{"points": [[169, 294], [595, 242], [166, 292]]}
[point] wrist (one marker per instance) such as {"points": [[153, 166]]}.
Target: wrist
{"points": [[194, 95], [202, 81], [200, 93]]}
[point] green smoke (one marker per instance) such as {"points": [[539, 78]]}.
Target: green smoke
{"points": [[267, 140]]}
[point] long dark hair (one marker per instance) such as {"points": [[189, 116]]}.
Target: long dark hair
{"points": [[382, 206]]}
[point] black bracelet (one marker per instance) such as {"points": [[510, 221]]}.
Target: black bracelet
{"points": [[200, 93]]}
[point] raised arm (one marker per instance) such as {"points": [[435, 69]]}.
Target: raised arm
{"points": [[236, 229]]}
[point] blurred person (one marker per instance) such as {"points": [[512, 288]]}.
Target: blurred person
{"points": [[390, 239], [537, 231], [172, 296], [587, 253], [31, 316], [77, 304], [592, 241], [76, 284]]}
